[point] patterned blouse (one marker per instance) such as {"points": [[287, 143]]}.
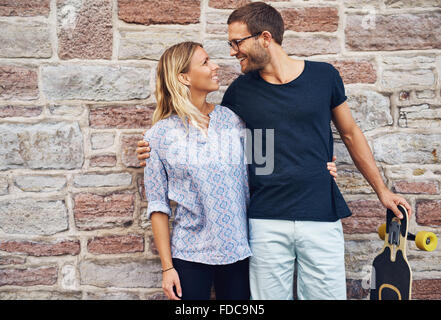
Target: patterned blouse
{"points": [[206, 175]]}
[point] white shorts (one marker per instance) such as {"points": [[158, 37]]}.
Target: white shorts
{"points": [[316, 247]]}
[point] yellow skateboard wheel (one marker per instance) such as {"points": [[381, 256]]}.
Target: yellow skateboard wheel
{"points": [[426, 241], [382, 231]]}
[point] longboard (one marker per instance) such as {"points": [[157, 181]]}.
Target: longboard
{"points": [[391, 277]]}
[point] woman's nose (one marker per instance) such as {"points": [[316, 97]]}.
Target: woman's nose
{"points": [[215, 66]]}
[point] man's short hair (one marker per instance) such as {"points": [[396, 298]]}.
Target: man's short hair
{"points": [[259, 16]]}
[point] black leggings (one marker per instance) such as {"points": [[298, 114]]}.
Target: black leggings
{"points": [[231, 281]]}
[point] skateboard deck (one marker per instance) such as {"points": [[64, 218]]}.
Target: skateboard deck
{"points": [[391, 277]]}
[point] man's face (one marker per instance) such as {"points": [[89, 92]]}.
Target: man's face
{"points": [[251, 54]]}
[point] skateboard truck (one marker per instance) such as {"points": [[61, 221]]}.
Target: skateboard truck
{"points": [[424, 240], [394, 233]]}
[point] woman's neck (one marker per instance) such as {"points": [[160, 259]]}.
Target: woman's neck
{"points": [[200, 102]]}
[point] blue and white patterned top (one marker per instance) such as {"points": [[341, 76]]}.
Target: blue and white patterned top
{"points": [[207, 177]]}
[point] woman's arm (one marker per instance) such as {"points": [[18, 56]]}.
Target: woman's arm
{"points": [[161, 235], [159, 211]]}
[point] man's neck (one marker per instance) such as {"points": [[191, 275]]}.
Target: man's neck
{"points": [[282, 69]]}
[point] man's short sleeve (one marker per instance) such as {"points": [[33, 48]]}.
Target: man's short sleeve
{"points": [[155, 179], [230, 99], [338, 89]]}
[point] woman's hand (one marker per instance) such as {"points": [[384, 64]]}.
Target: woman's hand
{"points": [[332, 167], [170, 279]]}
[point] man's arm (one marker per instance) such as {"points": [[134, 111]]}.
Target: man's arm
{"points": [[363, 158]]}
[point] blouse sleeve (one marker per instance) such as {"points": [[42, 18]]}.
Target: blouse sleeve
{"points": [[155, 179]]}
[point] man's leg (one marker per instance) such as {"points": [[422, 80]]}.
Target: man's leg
{"points": [[321, 261], [272, 262]]}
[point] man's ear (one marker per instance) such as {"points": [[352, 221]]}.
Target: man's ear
{"points": [[184, 79], [267, 37]]}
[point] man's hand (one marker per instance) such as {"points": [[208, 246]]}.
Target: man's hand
{"points": [[390, 200], [143, 151], [332, 168]]}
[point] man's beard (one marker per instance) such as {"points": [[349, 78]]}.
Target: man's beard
{"points": [[258, 58]]}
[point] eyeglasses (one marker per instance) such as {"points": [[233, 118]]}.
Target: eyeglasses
{"points": [[235, 43]]}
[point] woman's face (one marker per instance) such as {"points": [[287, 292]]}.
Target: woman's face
{"points": [[202, 75]]}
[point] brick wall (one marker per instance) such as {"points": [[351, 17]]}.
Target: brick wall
{"points": [[76, 92]]}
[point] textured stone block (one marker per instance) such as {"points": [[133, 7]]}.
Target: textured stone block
{"points": [[20, 111], [311, 45], [353, 71], [93, 211], [159, 11], [98, 82], [42, 249], [25, 8], [40, 183], [44, 145], [18, 83], [370, 109], [426, 289], [102, 140], [367, 216], [34, 217], [128, 149], [116, 244], [403, 31], [85, 29], [227, 4], [125, 273], [25, 39], [152, 44], [408, 71], [14, 294], [400, 148], [103, 161], [121, 117], [428, 212], [102, 180], [420, 116], [29, 276], [311, 19], [414, 187]]}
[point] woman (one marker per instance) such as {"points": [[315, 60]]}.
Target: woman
{"points": [[209, 243]]}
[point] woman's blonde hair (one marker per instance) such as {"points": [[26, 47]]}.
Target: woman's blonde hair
{"points": [[172, 96]]}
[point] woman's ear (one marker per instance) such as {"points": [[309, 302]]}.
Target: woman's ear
{"points": [[184, 79]]}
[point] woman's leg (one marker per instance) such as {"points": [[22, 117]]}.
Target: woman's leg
{"points": [[231, 281], [196, 279]]}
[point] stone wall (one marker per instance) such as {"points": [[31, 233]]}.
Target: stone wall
{"points": [[76, 93]]}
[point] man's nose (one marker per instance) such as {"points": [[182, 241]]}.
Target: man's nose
{"points": [[233, 51]]}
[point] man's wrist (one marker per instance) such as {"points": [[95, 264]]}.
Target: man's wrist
{"points": [[381, 191]]}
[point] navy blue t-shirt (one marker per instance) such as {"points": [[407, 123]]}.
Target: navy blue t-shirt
{"points": [[300, 186]]}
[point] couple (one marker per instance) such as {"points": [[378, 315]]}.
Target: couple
{"points": [[234, 226]]}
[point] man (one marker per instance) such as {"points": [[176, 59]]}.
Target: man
{"points": [[295, 211]]}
